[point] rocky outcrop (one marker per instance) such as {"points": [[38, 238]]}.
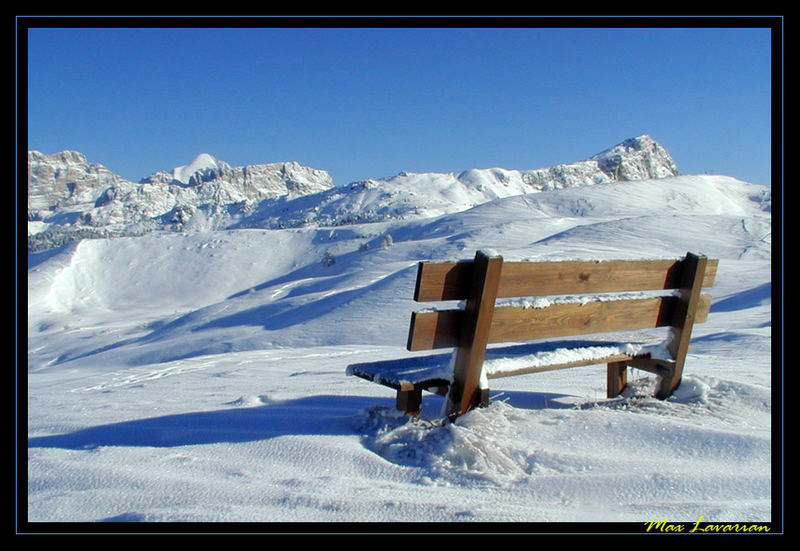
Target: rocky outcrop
{"points": [[66, 190]]}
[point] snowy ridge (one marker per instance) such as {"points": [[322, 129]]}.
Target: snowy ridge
{"points": [[410, 195], [208, 193]]}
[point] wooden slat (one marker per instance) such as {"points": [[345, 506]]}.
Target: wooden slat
{"points": [[621, 358], [443, 281], [440, 329], [438, 281], [436, 329], [421, 371]]}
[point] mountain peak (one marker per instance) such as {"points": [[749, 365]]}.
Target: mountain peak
{"points": [[637, 158], [203, 163]]}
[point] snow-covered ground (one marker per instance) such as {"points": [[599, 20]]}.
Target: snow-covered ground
{"points": [[201, 376]]}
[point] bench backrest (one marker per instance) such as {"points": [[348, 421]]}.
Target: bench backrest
{"points": [[444, 281], [486, 278]]}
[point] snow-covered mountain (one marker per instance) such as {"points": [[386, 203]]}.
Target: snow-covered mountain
{"points": [[68, 197], [71, 197], [420, 195]]}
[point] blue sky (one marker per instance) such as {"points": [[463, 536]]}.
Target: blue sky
{"points": [[369, 102]]}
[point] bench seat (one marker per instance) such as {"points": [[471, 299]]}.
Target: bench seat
{"points": [[434, 372]]}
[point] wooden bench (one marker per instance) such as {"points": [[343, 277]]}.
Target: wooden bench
{"points": [[462, 375]]}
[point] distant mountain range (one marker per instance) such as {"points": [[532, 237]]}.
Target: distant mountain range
{"points": [[71, 198]]}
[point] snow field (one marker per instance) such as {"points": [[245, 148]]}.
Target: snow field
{"points": [[201, 377]]}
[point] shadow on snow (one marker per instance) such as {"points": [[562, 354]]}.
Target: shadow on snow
{"points": [[322, 415]]}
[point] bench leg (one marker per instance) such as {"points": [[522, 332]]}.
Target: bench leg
{"points": [[483, 401], [409, 400], [668, 372], [616, 378], [670, 380]]}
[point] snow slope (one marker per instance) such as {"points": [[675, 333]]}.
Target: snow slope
{"points": [[201, 377]]}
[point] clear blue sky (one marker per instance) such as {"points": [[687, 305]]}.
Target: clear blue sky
{"points": [[369, 103]]}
